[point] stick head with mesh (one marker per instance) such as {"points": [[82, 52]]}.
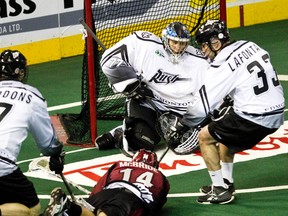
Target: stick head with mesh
{"points": [[187, 143], [41, 163]]}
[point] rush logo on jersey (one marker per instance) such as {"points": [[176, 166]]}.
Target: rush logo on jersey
{"points": [[163, 77]]}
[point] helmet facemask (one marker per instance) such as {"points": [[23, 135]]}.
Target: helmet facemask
{"points": [[212, 29], [178, 32]]}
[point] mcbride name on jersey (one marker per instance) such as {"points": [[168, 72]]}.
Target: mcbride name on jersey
{"points": [[146, 182], [244, 71], [173, 84]]}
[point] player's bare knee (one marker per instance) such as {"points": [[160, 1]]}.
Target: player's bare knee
{"points": [[35, 210]]}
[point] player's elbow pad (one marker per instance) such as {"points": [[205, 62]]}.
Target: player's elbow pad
{"points": [[122, 87]]}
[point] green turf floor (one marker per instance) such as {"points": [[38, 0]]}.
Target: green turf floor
{"points": [[60, 83]]}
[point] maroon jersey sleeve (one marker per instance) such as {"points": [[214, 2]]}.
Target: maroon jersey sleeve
{"points": [[102, 181]]}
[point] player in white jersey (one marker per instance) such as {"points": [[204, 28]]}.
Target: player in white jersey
{"points": [[22, 109], [166, 69], [242, 70]]}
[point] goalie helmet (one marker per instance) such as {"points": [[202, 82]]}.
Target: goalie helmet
{"points": [[178, 32], [212, 28], [146, 157], [13, 66]]}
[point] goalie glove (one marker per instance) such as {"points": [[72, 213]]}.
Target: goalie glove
{"points": [[56, 162], [138, 90], [176, 132]]}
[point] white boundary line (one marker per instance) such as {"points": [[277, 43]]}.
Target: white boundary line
{"points": [[68, 152], [75, 104], [251, 190], [283, 77]]}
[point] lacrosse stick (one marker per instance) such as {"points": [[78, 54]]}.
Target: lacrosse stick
{"points": [[93, 35], [42, 164], [67, 187]]}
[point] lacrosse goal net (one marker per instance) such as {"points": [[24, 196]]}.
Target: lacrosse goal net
{"points": [[112, 20]]}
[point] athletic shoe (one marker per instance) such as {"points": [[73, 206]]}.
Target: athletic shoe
{"points": [[206, 189], [57, 203], [218, 195], [105, 141], [108, 141]]}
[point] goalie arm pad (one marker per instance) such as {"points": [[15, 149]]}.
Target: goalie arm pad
{"points": [[119, 73]]}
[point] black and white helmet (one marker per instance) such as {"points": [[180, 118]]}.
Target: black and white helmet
{"points": [[178, 32], [13, 66], [211, 29]]}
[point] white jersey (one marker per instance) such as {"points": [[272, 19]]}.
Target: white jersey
{"points": [[173, 85], [244, 71], [22, 109]]}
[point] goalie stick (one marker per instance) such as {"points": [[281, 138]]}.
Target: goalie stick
{"points": [[91, 33]]}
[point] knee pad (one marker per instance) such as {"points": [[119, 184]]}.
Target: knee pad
{"points": [[139, 135]]}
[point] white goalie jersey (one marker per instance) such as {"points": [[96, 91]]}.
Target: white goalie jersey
{"points": [[173, 84], [244, 71]]}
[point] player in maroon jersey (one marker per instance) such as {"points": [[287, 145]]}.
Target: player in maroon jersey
{"points": [[128, 188]]}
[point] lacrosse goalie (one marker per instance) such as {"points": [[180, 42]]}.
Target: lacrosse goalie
{"points": [[157, 75]]}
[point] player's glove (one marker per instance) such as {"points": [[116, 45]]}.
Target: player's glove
{"points": [[223, 108], [138, 90], [56, 162]]}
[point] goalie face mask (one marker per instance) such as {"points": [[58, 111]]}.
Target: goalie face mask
{"points": [[146, 157], [175, 39], [13, 65]]}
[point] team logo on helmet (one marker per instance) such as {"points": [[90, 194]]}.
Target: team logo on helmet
{"points": [[145, 156]]}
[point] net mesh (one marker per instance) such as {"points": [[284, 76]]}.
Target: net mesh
{"points": [[114, 20]]}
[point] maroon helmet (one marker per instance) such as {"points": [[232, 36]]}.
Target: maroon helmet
{"points": [[146, 157]]}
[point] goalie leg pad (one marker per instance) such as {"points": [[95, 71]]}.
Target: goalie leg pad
{"points": [[136, 111], [139, 135]]}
